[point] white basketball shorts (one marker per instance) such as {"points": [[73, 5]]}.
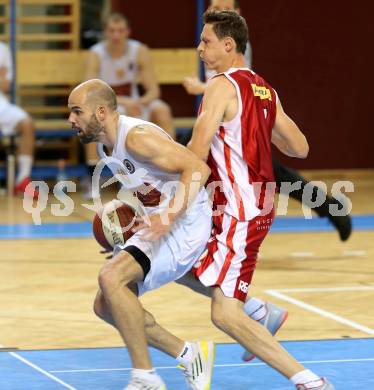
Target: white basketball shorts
{"points": [[10, 116], [174, 254]]}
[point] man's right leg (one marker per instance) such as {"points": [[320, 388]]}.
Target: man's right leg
{"points": [[265, 313], [25, 128], [228, 316], [157, 336], [14, 120], [191, 356], [271, 316], [127, 314], [124, 306], [254, 337], [25, 153]]}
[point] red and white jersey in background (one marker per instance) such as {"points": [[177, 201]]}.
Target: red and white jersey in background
{"points": [[240, 154]]}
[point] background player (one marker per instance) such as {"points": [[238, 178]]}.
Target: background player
{"points": [[14, 120]]}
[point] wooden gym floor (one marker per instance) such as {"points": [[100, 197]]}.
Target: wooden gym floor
{"points": [[47, 285]]}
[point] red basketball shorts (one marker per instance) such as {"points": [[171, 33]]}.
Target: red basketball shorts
{"points": [[231, 255]]}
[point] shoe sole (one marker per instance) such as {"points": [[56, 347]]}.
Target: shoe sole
{"points": [[285, 316], [211, 350]]}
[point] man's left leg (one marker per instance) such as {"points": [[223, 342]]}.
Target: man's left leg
{"points": [[266, 313], [25, 153], [196, 358], [128, 315], [228, 316], [157, 336]]}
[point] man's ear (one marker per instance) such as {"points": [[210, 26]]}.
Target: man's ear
{"points": [[229, 44], [100, 113]]}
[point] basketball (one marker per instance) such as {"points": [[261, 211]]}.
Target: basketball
{"points": [[112, 224]]}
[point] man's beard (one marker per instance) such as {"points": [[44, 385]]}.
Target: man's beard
{"points": [[91, 134]]}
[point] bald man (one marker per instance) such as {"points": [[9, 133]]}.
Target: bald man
{"points": [[165, 248]]}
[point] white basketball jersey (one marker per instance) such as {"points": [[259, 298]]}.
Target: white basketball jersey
{"points": [[120, 73], [152, 186]]}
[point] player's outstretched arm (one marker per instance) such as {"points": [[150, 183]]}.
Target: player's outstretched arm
{"points": [[287, 136], [218, 94], [148, 144], [193, 85]]}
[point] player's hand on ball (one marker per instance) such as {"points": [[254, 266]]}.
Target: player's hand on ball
{"points": [[157, 226]]}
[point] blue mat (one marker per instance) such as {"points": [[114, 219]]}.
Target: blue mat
{"points": [[84, 229], [50, 172], [349, 364]]}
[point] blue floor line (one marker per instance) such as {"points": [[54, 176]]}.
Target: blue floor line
{"points": [[348, 363], [47, 230], [84, 229], [44, 172], [300, 224]]}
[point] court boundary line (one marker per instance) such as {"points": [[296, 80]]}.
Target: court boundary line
{"points": [[219, 365], [39, 369], [279, 293], [326, 289], [218, 343]]}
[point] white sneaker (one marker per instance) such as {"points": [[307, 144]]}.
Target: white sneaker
{"points": [[326, 385], [154, 382], [198, 373]]}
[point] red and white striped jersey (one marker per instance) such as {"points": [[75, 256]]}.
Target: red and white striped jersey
{"points": [[240, 153]]}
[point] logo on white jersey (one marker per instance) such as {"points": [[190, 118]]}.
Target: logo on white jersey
{"points": [[129, 165], [243, 287]]}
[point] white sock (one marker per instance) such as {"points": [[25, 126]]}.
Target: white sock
{"points": [[306, 378], [185, 355], [24, 166], [255, 308], [146, 375]]}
